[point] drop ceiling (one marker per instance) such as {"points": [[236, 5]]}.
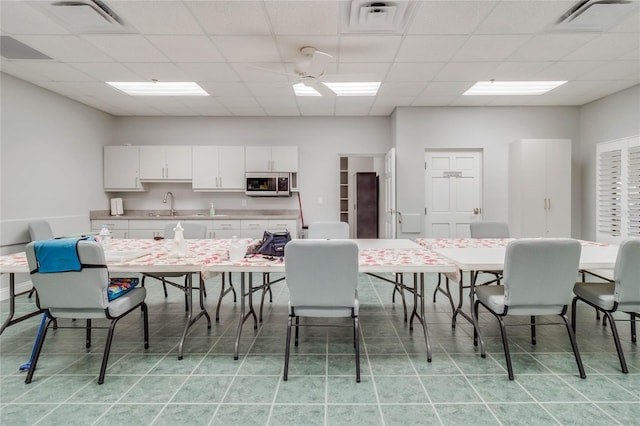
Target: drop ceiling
{"points": [[426, 54]]}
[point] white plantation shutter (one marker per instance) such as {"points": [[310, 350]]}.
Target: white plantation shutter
{"points": [[633, 189], [618, 190]]}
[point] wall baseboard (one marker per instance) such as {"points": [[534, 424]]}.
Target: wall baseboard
{"points": [[20, 287]]}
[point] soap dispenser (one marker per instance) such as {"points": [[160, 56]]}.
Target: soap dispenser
{"points": [[212, 210]]}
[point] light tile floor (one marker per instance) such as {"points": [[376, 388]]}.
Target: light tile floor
{"points": [[399, 386]]}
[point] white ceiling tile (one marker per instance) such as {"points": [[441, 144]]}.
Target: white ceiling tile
{"points": [[53, 71], [466, 71], [107, 71], [126, 48], [359, 71], [187, 48], [225, 89], [429, 48], [614, 70], [289, 46], [414, 71], [567, 70], [386, 101], [628, 23], [382, 110], [433, 100], [248, 48], [230, 17], [401, 89], [316, 17], [518, 70], [262, 72], [606, 46], [445, 89], [354, 105], [277, 91], [522, 17], [316, 105], [19, 17], [559, 100], [489, 47], [550, 47], [216, 72], [235, 102], [157, 17], [161, 71], [66, 48], [368, 48], [449, 17]]}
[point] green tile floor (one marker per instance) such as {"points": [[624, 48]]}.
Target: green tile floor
{"points": [[399, 386]]}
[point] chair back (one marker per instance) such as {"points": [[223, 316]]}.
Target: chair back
{"points": [[627, 272], [40, 230], [329, 230], [83, 291], [321, 273], [539, 275], [192, 230], [489, 230]]}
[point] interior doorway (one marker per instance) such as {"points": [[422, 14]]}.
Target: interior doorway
{"points": [[453, 185]]}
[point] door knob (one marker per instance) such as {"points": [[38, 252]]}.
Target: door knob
{"points": [[477, 210]]}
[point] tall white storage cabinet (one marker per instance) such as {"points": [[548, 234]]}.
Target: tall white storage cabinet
{"points": [[540, 188]]}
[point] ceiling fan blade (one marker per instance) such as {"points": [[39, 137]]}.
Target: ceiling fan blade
{"points": [[322, 89], [319, 63]]}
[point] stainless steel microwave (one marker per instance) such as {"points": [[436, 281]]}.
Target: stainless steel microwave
{"points": [[268, 184]]}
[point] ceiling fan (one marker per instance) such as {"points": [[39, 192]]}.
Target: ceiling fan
{"points": [[310, 71]]}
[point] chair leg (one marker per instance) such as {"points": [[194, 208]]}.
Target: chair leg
{"points": [[36, 354], [533, 329], [505, 344], [107, 349], [145, 323], [573, 314], [297, 327], [616, 339], [88, 338], [287, 350], [633, 326], [476, 330], [574, 346], [356, 330]]}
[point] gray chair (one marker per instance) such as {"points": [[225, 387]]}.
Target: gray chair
{"points": [[622, 295], [192, 230], [322, 276], [329, 230], [485, 229], [40, 230], [82, 295], [539, 275]]}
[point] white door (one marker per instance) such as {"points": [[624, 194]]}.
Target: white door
{"points": [[453, 182], [390, 194]]}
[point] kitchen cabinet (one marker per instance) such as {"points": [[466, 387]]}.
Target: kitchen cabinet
{"points": [[271, 159], [540, 188], [121, 168], [165, 163], [218, 168], [119, 228], [148, 228]]}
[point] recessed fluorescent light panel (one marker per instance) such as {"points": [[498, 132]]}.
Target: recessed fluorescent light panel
{"points": [[498, 88], [303, 90], [157, 88], [366, 88]]}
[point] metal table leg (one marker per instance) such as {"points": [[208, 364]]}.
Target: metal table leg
{"points": [[243, 314], [190, 317], [12, 306], [418, 303]]}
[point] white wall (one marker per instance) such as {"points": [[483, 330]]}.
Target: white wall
{"points": [[487, 128], [51, 149], [320, 142], [611, 118]]}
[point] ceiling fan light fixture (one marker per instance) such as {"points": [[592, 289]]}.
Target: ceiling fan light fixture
{"points": [[505, 88], [358, 88], [158, 88]]}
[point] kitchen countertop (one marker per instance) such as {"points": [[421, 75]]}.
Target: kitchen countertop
{"points": [[196, 215]]}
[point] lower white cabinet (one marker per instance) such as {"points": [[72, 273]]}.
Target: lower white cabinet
{"points": [[148, 228], [119, 228]]}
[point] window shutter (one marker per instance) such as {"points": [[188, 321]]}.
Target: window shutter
{"points": [[633, 190], [610, 193]]}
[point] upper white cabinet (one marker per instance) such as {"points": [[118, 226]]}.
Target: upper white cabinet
{"points": [[540, 188], [121, 168], [218, 168], [165, 163], [271, 159]]}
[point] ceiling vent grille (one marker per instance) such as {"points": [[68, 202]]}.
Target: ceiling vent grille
{"points": [[366, 16], [84, 16], [593, 15]]}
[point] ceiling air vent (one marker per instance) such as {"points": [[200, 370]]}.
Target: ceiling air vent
{"points": [[593, 15], [84, 16], [378, 16]]}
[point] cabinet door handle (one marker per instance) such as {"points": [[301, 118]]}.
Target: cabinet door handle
{"points": [[549, 203]]}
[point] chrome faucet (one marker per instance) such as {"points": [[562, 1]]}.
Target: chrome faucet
{"points": [[172, 211]]}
